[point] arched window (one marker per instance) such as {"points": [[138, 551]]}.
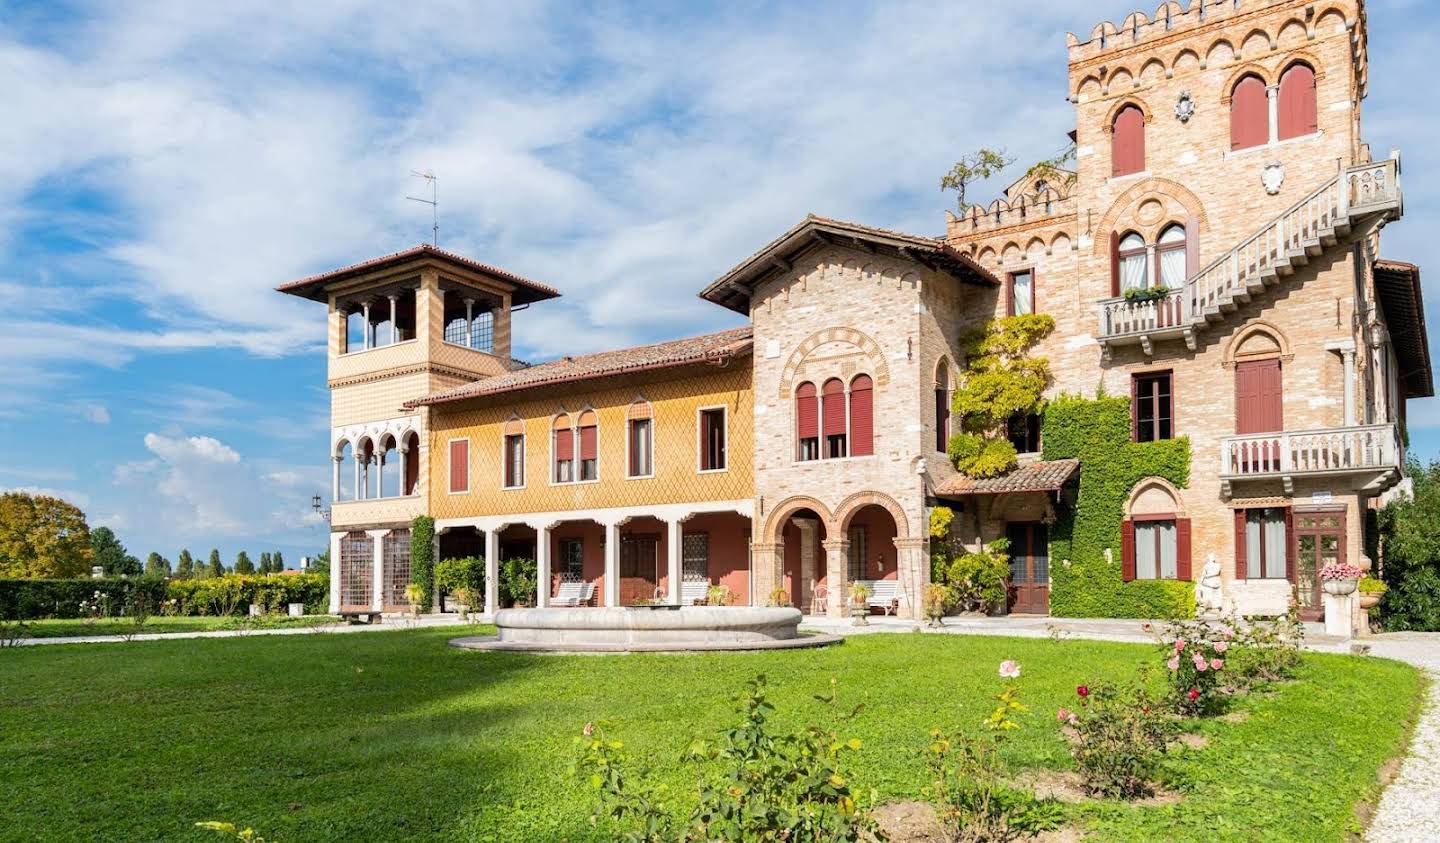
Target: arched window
{"points": [[1130, 259], [1170, 268], [365, 477], [1155, 536], [589, 446], [387, 475], [410, 448], [344, 473], [832, 410], [1297, 102], [1249, 114], [1127, 145], [942, 406], [514, 454], [640, 441], [862, 416], [563, 449], [807, 422]]}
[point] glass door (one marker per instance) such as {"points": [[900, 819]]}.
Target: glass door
{"points": [[1319, 541]]}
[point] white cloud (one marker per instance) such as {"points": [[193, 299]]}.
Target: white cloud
{"points": [[95, 413]]}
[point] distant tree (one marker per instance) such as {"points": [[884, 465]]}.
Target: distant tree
{"points": [[111, 555], [216, 568], [243, 565], [980, 164], [42, 537], [157, 565], [1409, 530], [265, 562], [320, 564], [277, 563], [185, 565]]}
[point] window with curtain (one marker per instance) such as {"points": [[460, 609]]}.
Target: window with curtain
{"points": [[589, 446], [1134, 267], [514, 460], [712, 439], [1170, 257], [1265, 543], [563, 447], [1022, 292], [641, 448], [807, 422], [1156, 550]]}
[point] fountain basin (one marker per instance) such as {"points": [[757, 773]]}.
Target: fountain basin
{"points": [[644, 629]]}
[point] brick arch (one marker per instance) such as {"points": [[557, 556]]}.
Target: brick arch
{"points": [[879, 369], [1227, 91], [1156, 484], [1123, 102], [858, 501], [1231, 355], [1142, 190], [775, 523], [1304, 57], [1269, 41]]}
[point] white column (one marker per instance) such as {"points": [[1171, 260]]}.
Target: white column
{"points": [[335, 484], [1380, 396], [380, 473], [542, 564], [377, 583], [366, 311], [492, 571], [394, 327], [1349, 355], [469, 320], [335, 571], [1273, 95], [673, 544], [612, 564], [355, 492]]}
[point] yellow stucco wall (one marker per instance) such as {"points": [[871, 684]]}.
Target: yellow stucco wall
{"points": [[675, 400]]}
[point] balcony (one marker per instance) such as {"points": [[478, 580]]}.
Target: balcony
{"points": [[1125, 322], [1369, 456]]}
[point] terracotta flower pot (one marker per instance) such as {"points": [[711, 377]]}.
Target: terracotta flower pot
{"points": [[1370, 599]]}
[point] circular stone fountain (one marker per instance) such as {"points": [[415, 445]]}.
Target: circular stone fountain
{"points": [[646, 629]]}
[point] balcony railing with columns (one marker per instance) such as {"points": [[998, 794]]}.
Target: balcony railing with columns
{"points": [[1372, 452]]}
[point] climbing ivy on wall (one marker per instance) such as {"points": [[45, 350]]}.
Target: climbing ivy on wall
{"points": [[1000, 380], [422, 558], [1097, 432]]}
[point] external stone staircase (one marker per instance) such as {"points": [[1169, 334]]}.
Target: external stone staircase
{"points": [[1333, 213]]}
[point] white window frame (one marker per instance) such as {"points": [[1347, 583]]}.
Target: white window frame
{"points": [[450, 466], [700, 444], [575, 431], [639, 399], [524, 455], [551, 465]]}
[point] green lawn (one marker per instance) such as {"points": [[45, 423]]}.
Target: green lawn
{"points": [[395, 736], [55, 628]]}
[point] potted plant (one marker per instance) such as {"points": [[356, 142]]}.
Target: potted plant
{"points": [[1340, 578], [1371, 590], [859, 608], [1140, 294], [719, 595], [779, 597], [936, 602]]}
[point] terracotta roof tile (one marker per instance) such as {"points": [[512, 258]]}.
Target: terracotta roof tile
{"points": [[1035, 477], [313, 286], [710, 347]]}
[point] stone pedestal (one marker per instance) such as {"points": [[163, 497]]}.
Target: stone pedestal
{"points": [[1340, 612]]}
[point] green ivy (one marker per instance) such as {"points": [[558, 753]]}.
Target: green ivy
{"points": [[1097, 432], [422, 558]]}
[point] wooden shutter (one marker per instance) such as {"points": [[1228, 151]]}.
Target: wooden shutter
{"points": [[705, 434], [1182, 549], [834, 407], [807, 411], [1114, 263], [862, 422], [459, 465], [588, 442], [1034, 291], [1249, 114], [564, 444], [1127, 550], [1297, 102], [1242, 571], [1290, 544], [1259, 399], [1010, 294], [635, 445], [1134, 408], [1192, 247], [1127, 150]]}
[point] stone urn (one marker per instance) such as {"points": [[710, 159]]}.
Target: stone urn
{"points": [[1370, 599], [859, 613], [1339, 588]]}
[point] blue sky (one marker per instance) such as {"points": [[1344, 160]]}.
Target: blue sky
{"points": [[164, 165]]}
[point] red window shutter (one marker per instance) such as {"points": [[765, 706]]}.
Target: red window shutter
{"points": [[1241, 551], [705, 434], [807, 411], [1249, 114], [635, 446], [1010, 294], [834, 407], [1192, 247], [459, 466], [1127, 151], [1182, 549], [862, 421], [1127, 550], [1034, 292], [587, 442], [509, 464], [564, 444], [1297, 102], [1114, 263], [1134, 408], [1290, 545]]}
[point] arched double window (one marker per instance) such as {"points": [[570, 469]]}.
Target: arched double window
{"points": [[1138, 265], [589, 434], [1249, 113], [835, 421], [1127, 142], [562, 449], [1296, 114]]}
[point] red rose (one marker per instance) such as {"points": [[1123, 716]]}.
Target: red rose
{"points": [[1194, 694], [1083, 690]]}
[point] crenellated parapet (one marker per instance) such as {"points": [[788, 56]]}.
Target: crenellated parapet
{"points": [[1026, 211], [1207, 34]]}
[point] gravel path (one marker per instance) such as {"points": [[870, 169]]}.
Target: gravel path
{"points": [[1409, 810]]}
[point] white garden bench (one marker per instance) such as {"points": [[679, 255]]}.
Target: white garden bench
{"points": [[693, 591], [573, 594], [884, 594]]}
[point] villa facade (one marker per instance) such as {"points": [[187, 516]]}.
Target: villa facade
{"points": [[1213, 252]]}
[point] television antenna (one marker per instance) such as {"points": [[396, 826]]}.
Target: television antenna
{"points": [[430, 178]]}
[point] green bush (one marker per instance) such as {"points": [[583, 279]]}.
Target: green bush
{"points": [[1097, 432], [34, 599], [519, 581], [1120, 735], [1410, 529], [422, 558], [978, 579], [232, 594], [464, 578]]}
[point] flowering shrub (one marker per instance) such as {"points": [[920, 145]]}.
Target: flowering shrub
{"points": [[769, 787], [968, 779], [719, 595], [779, 597], [937, 600], [1341, 571], [1120, 734], [978, 579], [1195, 654], [1266, 650]]}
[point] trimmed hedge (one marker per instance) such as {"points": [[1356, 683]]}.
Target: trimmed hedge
{"points": [[35, 599], [422, 558], [1097, 432]]}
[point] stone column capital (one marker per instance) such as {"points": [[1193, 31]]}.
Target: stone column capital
{"points": [[835, 544]]}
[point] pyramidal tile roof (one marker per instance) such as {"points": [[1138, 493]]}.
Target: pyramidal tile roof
{"points": [[1043, 476]]}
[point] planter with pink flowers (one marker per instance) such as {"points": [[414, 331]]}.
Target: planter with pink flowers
{"points": [[1340, 578]]}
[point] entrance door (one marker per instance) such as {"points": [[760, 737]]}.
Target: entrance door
{"points": [[1259, 408], [1029, 591], [1319, 541], [639, 572]]}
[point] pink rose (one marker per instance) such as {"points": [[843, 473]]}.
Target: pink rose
{"points": [[1200, 666], [1179, 644], [1221, 646], [1009, 669], [1174, 663], [1063, 715], [1216, 664]]}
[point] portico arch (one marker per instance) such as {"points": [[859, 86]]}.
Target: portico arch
{"points": [[847, 509]]}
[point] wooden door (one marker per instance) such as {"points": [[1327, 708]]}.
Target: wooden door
{"points": [[639, 569], [1319, 541], [1029, 589], [1259, 408]]}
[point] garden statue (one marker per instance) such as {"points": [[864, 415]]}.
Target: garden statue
{"points": [[1208, 597]]}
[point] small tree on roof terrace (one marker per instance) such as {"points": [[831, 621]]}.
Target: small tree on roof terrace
{"points": [[1000, 381]]}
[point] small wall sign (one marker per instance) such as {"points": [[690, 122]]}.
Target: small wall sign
{"points": [[1321, 497]]}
